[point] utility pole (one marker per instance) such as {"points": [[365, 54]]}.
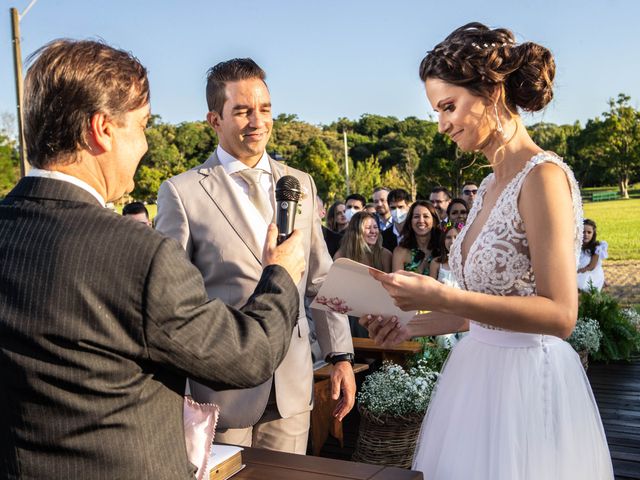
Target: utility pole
{"points": [[17, 67], [346, 159]]}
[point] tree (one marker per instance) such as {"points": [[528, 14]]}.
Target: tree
{"points": [[448, 166], [9, 165], [365, 177], [622, 133], [316, 159]]}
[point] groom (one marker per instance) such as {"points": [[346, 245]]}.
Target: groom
{"points": [[219, 211]]}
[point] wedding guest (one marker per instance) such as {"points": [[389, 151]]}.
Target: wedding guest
{"points": [[469, 191], [336, 225], [353, 204], [590, 271], [513, 400], [370, 208], [439, 268], [322, 212], [399, 201], [420, 239], [383, 215], [362, 243], [440, 198], [336, 219], [457, 211], [137, 212]]}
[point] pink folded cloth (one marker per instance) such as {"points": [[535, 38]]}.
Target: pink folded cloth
{"points": [[200, 420]]}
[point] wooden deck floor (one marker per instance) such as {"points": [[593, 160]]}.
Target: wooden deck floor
{"points": [[617, 391]]}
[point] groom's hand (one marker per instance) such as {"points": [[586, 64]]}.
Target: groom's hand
{"points": [[386, 332], [343, 381]]}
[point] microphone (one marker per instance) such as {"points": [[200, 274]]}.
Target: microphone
{"points": [[288, 192]]}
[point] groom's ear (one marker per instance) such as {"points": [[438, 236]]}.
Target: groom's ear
{"points": [[213, 119]]}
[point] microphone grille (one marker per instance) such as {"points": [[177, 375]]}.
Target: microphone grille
{"points": [[288, 189]]}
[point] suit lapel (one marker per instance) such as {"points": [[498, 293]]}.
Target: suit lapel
{"points": [[220, 188]]}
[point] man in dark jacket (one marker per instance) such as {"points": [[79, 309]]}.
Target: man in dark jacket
{"points": [[101, 319]]}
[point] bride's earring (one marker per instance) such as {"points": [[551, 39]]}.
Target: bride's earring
{"points": [[499, 128]]}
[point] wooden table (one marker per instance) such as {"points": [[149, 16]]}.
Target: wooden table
{"points": [[322, 420], [265, 464], [397, 354]]}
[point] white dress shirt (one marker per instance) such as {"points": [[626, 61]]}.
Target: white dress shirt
{"points": [[232, 165], [38, 172]]}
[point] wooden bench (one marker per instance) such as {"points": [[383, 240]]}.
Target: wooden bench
{"points": [[366, 347], [600, 196], [322, 419]]}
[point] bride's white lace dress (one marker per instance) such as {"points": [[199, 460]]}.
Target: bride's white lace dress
{"points": [[509, 405]]}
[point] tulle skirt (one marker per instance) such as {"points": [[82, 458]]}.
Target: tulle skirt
{"points": [[512, 406]]}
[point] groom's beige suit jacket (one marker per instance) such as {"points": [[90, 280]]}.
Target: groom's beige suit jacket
{"points": [[209, 216]]}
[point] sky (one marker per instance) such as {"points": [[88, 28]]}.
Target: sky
{"points": [[337, 58]]}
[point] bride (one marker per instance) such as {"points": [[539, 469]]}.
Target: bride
{"points": [[513, 401]]}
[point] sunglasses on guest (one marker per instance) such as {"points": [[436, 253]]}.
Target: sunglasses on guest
{"points": [[469, 191]]}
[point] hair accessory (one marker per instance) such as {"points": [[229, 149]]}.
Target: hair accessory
{"points": [[445, 227], [492, 45]]}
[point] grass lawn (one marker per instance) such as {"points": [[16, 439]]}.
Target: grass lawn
{"points": [[619, 224]]}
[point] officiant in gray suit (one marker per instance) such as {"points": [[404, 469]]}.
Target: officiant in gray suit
{"points": [[101, 318], [218, 212]]}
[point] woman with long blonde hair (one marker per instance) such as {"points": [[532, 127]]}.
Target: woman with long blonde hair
{"points": [[362, 242]]}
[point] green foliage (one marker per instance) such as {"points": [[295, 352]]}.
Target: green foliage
{"points": [[394, 391], [173, 149], [620, 338], [9, 165], [432, 354], [408, 153], [315, 157], [609, 148], [586, 335], [365, 177], [618, 223]]}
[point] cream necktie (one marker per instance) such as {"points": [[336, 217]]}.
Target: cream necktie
{"points": [[257, 194]]}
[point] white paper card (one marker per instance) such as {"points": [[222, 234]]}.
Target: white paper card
{"points": [[349, 289]]}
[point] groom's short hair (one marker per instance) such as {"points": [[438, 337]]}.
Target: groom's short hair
{"points": [[230, 71]]}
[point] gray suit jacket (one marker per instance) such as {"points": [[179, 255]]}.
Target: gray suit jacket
{"points": [[101, 321], [201, 209]]}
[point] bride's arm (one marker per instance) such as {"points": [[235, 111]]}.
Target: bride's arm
{"points": [[547, 211]]}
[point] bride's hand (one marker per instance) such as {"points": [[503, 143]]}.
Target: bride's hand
{"points": [[410, 291], [386, 332]]}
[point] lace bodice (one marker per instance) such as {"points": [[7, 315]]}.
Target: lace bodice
{"points": [[498, 262]]}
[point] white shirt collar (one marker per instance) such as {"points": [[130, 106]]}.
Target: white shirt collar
{"points": [[232, 165], [38, 172]]}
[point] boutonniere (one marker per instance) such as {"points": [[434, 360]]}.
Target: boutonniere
{"points": [[304, 193]]}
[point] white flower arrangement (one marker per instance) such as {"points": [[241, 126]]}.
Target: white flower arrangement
{"points": [[394, 391], [632, 316], [586, 335]]}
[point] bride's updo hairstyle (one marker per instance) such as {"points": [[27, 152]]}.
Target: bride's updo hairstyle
{"points": [[480, 59]]}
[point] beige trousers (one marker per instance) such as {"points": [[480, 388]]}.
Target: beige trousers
{"points": [[271, 433]]}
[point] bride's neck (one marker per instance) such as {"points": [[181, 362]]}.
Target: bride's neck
{"points": [[507, 159]]}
